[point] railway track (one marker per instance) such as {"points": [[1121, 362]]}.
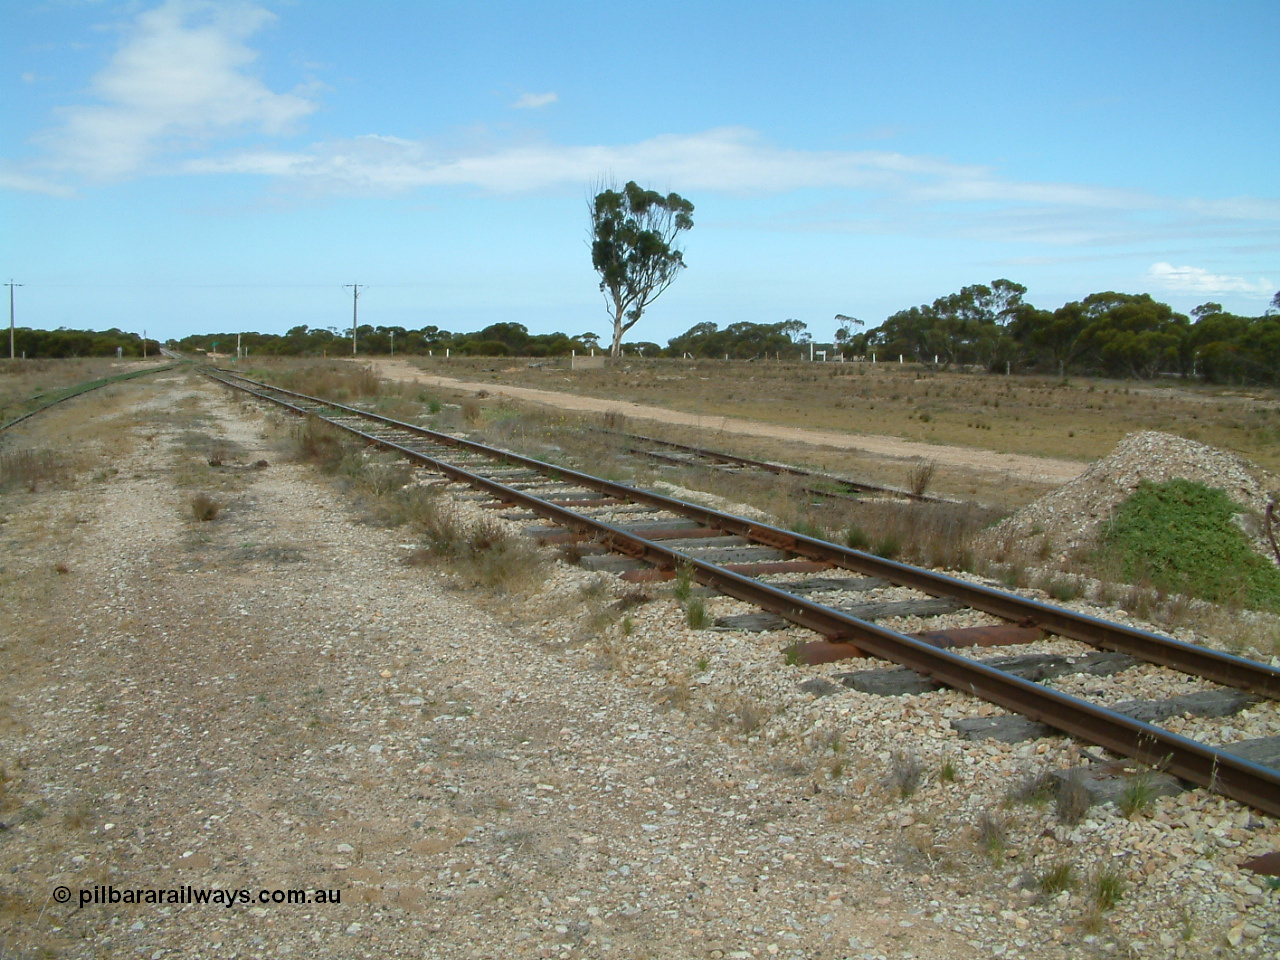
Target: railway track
{"points": [[80, 389], [815, 484], [650, 537]]}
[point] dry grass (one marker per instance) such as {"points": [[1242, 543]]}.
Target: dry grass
{"points": [[1072, 802], [204, 508], [484, 554], [1038, 415], [31, 470], [1060, 876], [905, 774], [921, 476], [332, 380], [25, 384], [317, 442], [1035, 789]]}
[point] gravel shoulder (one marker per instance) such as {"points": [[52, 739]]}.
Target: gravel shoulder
{"points": [[273, 700]]}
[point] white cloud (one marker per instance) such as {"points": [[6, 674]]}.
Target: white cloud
{"points": [[532, 101], [1197, 280], [179, 80], [876, 190]]}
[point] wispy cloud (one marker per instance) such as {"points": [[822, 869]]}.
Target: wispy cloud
{"points": [[177, 82], [11, 179], [727, 159], [1200, 281], [533, 101], [871, 190]]}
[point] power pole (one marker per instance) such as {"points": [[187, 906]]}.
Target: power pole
{"points": [[355, 301], [11, 286]]}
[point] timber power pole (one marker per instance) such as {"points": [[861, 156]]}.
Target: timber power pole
{"points": [[11, 285], [355, 305]]}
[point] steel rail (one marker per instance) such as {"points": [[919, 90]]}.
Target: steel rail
{"points": [[782, 468], [1223, 668], [676, 461], [1217, 769]]}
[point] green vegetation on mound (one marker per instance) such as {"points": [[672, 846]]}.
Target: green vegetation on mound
{"points": [[1180, 536]]}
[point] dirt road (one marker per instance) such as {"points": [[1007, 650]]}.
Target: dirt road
{"points": [[1029, 468]]}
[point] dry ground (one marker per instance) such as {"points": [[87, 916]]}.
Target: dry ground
{"points": [[271, 699]]}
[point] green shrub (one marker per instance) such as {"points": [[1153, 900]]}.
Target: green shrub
{"points": [[1180, 536]]}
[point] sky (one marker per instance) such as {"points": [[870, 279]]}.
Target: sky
{"points": [[205, 166]]}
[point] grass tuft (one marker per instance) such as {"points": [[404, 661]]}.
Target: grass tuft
{"points": [[1106, 887], [1036, 790], [317, 442], [484, 554], [695, 610], [682, 586], [992, 835], [1138, 794], [1073, 801], [906, 773], [1059, 877]]}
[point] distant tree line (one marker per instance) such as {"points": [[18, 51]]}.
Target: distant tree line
{"points": [[495, 340], [1105, 334], [984, 326], [62, 343]]}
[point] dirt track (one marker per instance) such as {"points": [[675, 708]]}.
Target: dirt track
{"points": [[1029, 468]]}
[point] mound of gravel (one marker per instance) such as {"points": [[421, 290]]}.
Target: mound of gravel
{"points": [[1075, 514]]}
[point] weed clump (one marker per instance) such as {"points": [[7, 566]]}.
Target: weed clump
{"points": [[906, 773], [682, 588], [204, 508], [921, 475], [1138, 794], [485, 554], [1106, 887], [1036, 790], [315, 441]]}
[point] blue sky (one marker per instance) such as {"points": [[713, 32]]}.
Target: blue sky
{"points": [[193, 166]]}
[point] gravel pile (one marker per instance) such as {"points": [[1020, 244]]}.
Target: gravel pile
{"points": [[274, 700], [1074, 515]]}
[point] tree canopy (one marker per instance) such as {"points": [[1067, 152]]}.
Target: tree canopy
{"points": [[633, 248]]}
